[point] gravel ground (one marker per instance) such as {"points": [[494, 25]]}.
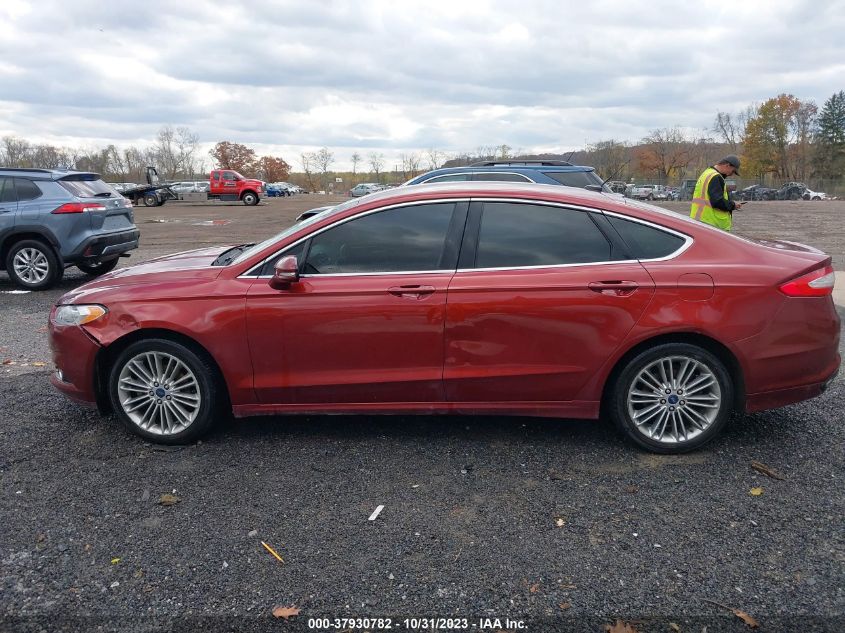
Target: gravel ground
{"points": [[557, 525]]}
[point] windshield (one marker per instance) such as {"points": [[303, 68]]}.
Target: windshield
{"points": [[296, 227]]}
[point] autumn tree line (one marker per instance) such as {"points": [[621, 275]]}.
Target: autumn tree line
{"points": [[781, 139]]}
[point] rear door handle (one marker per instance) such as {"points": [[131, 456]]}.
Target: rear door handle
{"points": [[615, 287], [411, 291]]}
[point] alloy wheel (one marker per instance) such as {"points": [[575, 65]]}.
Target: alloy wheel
{"points": [[674, 399], [31, 265], [159, 393]]}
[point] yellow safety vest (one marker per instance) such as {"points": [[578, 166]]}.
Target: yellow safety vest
{"points": [[701, 208]]}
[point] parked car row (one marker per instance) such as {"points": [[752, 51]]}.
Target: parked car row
{"points": [[788, 191]]}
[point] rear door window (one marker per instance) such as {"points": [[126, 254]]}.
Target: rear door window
{"points": [[7, 190], [518, 234]]}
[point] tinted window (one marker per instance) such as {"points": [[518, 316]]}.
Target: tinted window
{"points": [[27, 190], [646, 242], [403, 239], [449, 178], [7, 190], [533, 235], [575, 178], [297, 250], [88, 188], [227, 175], [503, 177]]}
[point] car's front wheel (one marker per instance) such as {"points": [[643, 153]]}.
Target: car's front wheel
{"points": [[33, 265], [97, 268], [672, 398], [164, 391]]}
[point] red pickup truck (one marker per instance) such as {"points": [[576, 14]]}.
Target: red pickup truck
{"points": [[227, 184]]}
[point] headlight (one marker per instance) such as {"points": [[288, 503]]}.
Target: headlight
{"points": [[78, 314]]}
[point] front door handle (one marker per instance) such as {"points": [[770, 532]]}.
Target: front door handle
{"points": [[411, 291], [616, 287]]}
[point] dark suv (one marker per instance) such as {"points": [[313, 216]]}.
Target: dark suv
{"points": [[54, 218], [547, 172]]}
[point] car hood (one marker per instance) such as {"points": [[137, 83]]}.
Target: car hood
{"points": [[190, 265]]}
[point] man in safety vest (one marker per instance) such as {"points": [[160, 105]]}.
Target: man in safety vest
{"points": [[710, 200]]}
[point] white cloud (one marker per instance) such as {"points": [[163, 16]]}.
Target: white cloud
{"points": [[398, 77]]}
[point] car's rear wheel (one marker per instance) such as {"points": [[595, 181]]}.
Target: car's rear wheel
{"points": [[164, 391], [250, 199], [672, 398], [33, 265], [97, 268]]}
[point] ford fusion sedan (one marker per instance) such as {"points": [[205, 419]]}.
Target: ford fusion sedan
{"points": [[470, 298]]}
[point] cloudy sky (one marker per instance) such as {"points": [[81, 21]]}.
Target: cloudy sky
{"points": [[402, 76]]}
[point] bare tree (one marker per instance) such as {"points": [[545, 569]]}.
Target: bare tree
{"points": [[410, 164], [116, 163], [16, 152], [166, 153], [729, 129], [434, 158], [667, 153], [308, 161], [323, 159], [504, 151], [187, 144], [356, 159], [610, 158], [376, 163]]}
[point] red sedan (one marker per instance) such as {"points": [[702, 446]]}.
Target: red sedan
{"points": [[473, 298]]}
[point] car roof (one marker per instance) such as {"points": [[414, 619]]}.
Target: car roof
{"points": [[41, 174], [511, 167]]}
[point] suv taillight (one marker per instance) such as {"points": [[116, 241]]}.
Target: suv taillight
{"points": [[818, 283], [78, 207]]}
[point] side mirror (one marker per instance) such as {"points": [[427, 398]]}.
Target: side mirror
{"points": [[285, 273]]}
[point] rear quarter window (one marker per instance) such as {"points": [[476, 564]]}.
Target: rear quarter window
{"points": [[646, 242], [574, 178]]}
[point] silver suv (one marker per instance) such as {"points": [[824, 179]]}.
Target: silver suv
{"points": [[54, 218]]}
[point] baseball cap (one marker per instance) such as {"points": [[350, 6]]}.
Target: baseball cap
{"points": [[731, 160]]}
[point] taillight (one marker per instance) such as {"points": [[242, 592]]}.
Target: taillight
{"points": [[818, 283], [78, 207]]}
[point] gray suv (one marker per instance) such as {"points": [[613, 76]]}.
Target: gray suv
{"points": [[54, 218]]}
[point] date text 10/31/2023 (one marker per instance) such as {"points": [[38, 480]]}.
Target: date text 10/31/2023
{"points": [[415, 624]]}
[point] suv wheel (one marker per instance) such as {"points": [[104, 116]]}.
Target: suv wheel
{"points": [[95, 269], [163, 391], [33, 265], [250, 199], [672, 398]]}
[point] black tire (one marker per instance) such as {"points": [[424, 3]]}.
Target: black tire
{"points": [[250, 199], [620, 411], [150, 200], [95, 269], [42, 255], [206, 386]]}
